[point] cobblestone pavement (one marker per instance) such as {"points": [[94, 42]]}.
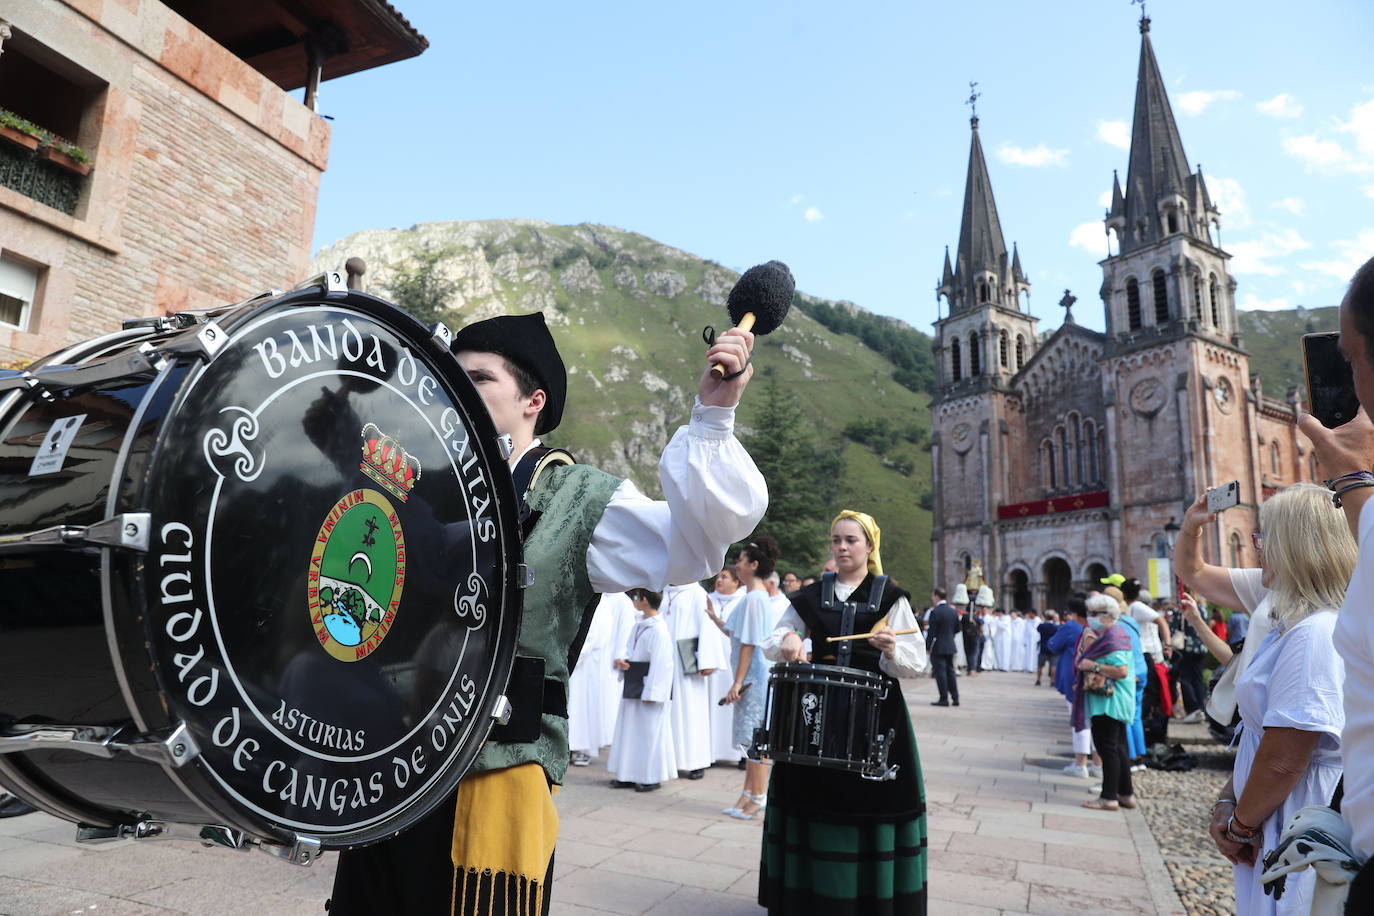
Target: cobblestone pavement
{"points": [[1006, 836], [1200, 875]]}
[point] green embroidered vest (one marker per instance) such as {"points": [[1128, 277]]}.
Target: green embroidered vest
{"points": [[570, 501]]}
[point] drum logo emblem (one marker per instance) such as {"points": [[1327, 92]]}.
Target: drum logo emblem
{"points": [[811, 715], [387, 463], [357, 568]]}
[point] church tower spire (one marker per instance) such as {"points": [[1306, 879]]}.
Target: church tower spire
{"points": [[1167, 276]]}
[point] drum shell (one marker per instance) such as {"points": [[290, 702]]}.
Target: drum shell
{"points": [[111, 666], [823, 715]]}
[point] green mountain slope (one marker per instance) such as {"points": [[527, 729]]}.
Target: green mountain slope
{"points": [[1272, 339], [628, 314]]}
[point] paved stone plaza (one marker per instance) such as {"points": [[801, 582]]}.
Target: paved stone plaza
{"points": [[1007, 835]]}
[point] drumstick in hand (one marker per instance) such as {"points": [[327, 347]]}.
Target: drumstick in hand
{"points": [[869, 635]]}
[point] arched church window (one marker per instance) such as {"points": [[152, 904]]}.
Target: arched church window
{"points": [[1020, 352], [1161, 547], [1216, 309], [956, 370], [1132, 304], [1173, 223], [1077, 449], [1161, 298], [1235, 550], [974, 363], [1064, 457], [1197, 296], [982, 291], [1090, 434], [1002, 348], [1274, 457], [1049, 465]]}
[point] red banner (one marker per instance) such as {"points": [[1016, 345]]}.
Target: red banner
{"points": [[1070, 503]]}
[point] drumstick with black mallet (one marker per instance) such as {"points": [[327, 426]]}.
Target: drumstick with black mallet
{"points": [[759, 302]]}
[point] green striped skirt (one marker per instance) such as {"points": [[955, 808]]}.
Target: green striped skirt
{"points": [[862, 869]]}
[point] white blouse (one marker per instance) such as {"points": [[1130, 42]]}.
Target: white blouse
{"points": [[908, 659], [714, 496]]}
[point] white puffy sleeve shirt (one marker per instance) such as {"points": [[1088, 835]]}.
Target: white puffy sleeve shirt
{"points": [[713, 493], [908, 659]]}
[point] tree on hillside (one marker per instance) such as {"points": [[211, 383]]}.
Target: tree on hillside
{"points": [[802, 479], [421, 290]]}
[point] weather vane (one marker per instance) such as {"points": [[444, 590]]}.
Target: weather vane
{"points": [[1144, 19], [972, 101]]}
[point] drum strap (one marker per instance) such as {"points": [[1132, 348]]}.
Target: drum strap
{"points": [[526, 475], [848, 610]]}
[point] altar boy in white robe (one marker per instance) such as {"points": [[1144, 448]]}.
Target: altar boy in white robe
{"points": [[594, 685], [642, 753], [684, 610]]}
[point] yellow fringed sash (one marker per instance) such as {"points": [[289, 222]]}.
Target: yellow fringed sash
{"points": [[505, 823]]}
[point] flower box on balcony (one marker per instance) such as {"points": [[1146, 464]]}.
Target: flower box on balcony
{"points": [[16, 136], [58, 157]]}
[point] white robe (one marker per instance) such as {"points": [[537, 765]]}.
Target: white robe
{"points": [[594, 685], [723, 745], [998, 642], [642, 750], [780, 604], [1018, 644], [684, 610], [1032, 642]]}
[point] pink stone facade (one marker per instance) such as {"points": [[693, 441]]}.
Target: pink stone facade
{"points": [[205, 177]]}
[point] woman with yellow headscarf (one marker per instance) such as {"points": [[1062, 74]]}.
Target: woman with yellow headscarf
{"points": [[834, 842]]}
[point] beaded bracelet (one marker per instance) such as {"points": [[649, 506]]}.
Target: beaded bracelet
{"points": [[1245, 834], [1358, 484]]}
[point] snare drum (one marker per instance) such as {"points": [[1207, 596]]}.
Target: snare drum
{"points": [[826, 716], [259, 571]]}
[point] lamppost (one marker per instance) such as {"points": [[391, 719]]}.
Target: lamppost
{"points": [[1171, 530]]}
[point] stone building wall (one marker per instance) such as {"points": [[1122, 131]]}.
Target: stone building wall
{"points": [[205, 177]]}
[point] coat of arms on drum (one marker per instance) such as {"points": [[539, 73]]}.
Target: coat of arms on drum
{"points": [[357, 569], [387, 463]]}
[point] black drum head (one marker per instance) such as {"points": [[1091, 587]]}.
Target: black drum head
{"points": [[330, 589]]}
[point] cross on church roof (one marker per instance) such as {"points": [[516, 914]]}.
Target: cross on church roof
{"points": [[972, 101], [1067, 304], [1144, 19]]}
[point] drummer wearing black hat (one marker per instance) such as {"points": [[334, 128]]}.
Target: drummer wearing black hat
{"points": [[490, 848]]}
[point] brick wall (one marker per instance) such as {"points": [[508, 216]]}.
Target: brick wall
{"points": [[205, 182]]}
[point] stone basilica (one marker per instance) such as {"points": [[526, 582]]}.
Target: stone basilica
{"points": [[1058, 460]]}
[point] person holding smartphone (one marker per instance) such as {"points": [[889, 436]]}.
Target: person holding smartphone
{"points": [[1289, 693]]}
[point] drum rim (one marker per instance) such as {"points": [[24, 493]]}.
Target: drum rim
{"points": [[199, 782]]}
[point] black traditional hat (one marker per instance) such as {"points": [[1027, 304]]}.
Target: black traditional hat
{"points": [[524, 340]]}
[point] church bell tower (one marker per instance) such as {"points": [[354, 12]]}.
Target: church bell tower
{"points": [[979, 347]]}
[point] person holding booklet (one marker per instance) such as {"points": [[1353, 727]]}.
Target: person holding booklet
{"points": [[642, 753]]}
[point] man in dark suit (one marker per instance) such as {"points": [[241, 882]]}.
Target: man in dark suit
{"points": [[940, 636]]}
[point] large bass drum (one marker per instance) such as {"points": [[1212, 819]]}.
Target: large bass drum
{"points": [[260, 573]]}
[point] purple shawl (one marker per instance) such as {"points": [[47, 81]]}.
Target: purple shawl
{"points": [[1112, 639]]}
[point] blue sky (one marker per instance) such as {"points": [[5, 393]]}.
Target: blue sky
{"points": [[835, 136]]}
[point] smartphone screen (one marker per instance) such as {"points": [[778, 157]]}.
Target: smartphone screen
{"points": [[1330, 383]]}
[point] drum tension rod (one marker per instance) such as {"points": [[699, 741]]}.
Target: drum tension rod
{"points": [[128, 530], [298, 850], [172, 747]]}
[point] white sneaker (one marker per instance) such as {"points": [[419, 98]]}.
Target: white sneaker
{"points": [[1137, 767], [1192, 718], [1094, 771], [1077, 769]]}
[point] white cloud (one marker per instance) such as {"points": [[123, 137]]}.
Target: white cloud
{"points": [[1255, 257], [1282, 105], [1251, 303], [1349, 255], [1199, 100], [1361, 124], [796, 199], [1368, 190], [1035, 157], [1229, 198], [1115, 133], [813, 215], [1294, 205], [1323, 154], [1091, 237], [1106, 199]]}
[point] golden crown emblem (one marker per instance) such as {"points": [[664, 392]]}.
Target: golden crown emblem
{"points": [[385, 461]]}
